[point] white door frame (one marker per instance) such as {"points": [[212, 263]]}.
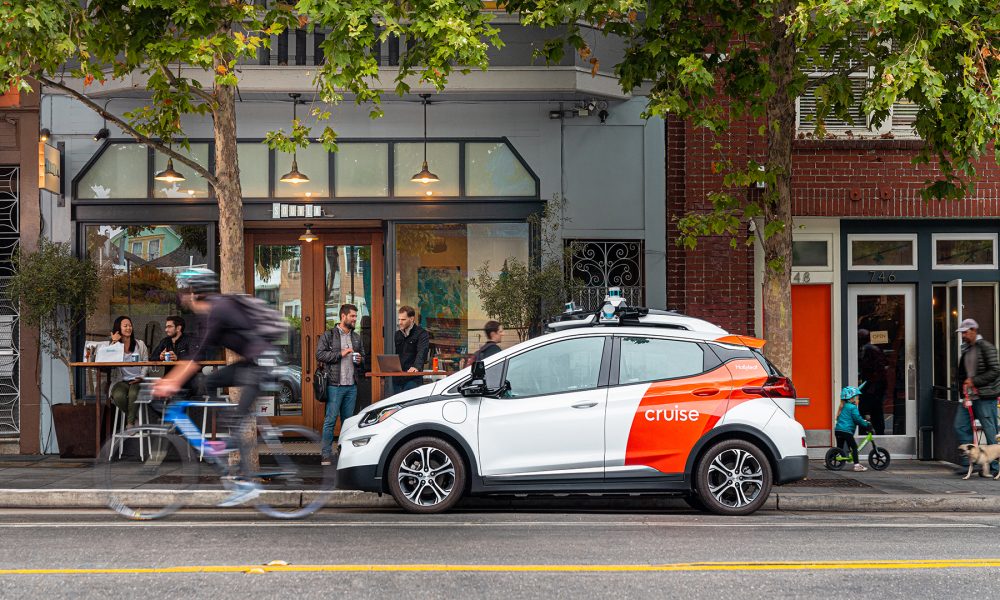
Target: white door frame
{"points": [[908, 291]]}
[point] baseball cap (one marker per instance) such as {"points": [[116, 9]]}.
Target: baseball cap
{"points": [[966, 325]]}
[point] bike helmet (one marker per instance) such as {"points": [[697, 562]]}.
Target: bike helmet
{"points": [[849, 392], [199, 281]]}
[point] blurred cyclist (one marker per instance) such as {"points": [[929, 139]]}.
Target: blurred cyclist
{"points": [[227, 324]]}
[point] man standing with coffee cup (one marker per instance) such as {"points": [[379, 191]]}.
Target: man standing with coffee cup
{"points": [[340, 351]]}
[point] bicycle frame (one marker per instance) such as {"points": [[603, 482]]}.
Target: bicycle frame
{"points": [[845, 454]]}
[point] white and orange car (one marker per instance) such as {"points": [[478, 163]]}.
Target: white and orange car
{"points": [[625, 401]]}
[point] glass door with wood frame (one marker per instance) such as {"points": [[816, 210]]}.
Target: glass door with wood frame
{"points": [[307, 282]]}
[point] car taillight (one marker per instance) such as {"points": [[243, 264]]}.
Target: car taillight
{"points": [[774, 387]]}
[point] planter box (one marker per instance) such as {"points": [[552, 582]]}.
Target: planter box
{"points": [[75, 429]]}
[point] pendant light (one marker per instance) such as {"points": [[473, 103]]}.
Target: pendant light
{"points": [[294, 176], [425, 175], [308, 236], [169, 175]]}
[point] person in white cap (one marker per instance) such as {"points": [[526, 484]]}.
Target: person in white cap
{"points": [[979, 382]]}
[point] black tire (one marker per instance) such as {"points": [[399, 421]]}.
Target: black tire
{"points": [[830, 460], [879, 459], [694, 501], [733, 478], [168, 461], [283, 472], [426, 475]]}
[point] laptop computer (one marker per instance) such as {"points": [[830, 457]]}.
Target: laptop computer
{"points": [[389, 363]]}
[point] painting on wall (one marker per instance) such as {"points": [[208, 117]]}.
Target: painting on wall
{"points": [[442, 297]]}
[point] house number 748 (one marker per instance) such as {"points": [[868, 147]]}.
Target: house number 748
{"points": [[881, 277]]}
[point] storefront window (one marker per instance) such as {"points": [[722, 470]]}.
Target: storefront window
{"points": [[434, 263], [965, 251], [492, 169], [895, 251], [362, 170], [442, 160], [143, 262], [254, 172], [193, 186], [314, 162], [120, 172]]}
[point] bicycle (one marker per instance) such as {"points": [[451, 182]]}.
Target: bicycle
{"points": [[172, 463], [878, 458]]}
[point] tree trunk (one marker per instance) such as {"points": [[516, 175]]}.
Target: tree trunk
{"points": [[777, 293], [228, 193], [230, 198]]}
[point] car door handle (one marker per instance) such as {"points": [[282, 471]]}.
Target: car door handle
{"points": [[705, 391], [585, 405]]}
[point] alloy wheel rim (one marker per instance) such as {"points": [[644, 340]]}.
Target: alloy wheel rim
{"points": [[735, 478], [426, 476]]}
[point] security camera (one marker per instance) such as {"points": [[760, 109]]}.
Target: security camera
{"points": [[591, 106]]}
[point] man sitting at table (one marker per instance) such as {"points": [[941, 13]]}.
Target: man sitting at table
{"points": [[176, 342]]}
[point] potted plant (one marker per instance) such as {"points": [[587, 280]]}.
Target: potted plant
{"points": [[55, 292]]}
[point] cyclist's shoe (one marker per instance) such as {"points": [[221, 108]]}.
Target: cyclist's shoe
{"points": [[216, 448], [860, 467], [244, 492]]}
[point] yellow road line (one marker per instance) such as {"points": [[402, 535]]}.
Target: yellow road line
{"points": [[671, 567]]}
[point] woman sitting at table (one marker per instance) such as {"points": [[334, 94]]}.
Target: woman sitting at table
{"points": [[125, 380]]}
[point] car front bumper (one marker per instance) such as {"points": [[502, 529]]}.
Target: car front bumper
{"points": [[359, 478]]}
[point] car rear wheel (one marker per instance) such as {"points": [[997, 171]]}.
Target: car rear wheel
{"points": [[426, 475], [733, 478]]}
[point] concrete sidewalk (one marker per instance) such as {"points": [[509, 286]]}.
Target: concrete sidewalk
{"points": [[907, 486]]}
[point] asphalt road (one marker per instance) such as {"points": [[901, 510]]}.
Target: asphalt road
{"points": [[550, 554]]}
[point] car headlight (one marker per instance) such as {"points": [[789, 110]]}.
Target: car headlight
{"points": [[377, 416]]}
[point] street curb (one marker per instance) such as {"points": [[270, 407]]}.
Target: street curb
{"points": [[861, 503], [779, 501], [88, 498]]}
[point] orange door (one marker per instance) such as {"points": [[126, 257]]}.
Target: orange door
{"points": [[811, 354]]}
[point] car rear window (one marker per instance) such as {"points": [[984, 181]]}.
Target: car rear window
{"points": [[768, 365]]}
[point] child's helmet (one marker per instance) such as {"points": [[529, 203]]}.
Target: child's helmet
{"points": [[849, 392]]}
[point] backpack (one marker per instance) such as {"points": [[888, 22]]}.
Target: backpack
{"points": [[268, 323]]}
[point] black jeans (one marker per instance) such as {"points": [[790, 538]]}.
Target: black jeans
{"points": [[846, 440]]}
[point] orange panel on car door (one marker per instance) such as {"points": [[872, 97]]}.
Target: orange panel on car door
{"points": [[811, 354]]}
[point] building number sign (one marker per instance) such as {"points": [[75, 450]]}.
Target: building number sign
{"points": [[881, 277], [802, 277]]}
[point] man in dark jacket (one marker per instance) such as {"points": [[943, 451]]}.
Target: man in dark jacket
{"points": [[412, 345], [175, 342], [341, 352], [494, 334], [979, 381]]}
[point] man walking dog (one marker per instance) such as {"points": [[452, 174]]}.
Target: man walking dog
{"points": [[979, 382]]}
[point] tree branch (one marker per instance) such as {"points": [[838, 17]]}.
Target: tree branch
{"points": [[159, 145], [197, 91]]}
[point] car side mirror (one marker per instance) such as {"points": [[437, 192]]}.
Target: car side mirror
{"points": [[473, 387]]}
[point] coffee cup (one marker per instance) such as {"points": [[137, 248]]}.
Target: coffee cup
{"points": [[356, 357]]}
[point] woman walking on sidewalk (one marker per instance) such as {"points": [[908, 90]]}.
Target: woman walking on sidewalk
{"points": [[848, 418]]}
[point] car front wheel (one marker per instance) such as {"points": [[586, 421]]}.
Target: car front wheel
{"points": [[733, 478], [426, 475]]}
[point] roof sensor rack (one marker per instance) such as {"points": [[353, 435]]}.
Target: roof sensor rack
{"points": [[615, 311]]}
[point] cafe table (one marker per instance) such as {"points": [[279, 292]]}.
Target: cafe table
{"points": [[377, 376], [99, 402]]}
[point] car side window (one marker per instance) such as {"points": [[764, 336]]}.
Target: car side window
{"points": [[564, 366], [494, 375], [652, 359]]}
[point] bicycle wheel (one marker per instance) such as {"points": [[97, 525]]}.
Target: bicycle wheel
{"points": [[293, 483], [879, 459], [831, 459], [151, 486]]}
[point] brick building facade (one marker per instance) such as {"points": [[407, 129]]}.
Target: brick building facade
{"points": [[896, 268]]}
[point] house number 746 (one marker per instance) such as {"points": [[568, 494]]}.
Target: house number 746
{"points": [[881, 277]]}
